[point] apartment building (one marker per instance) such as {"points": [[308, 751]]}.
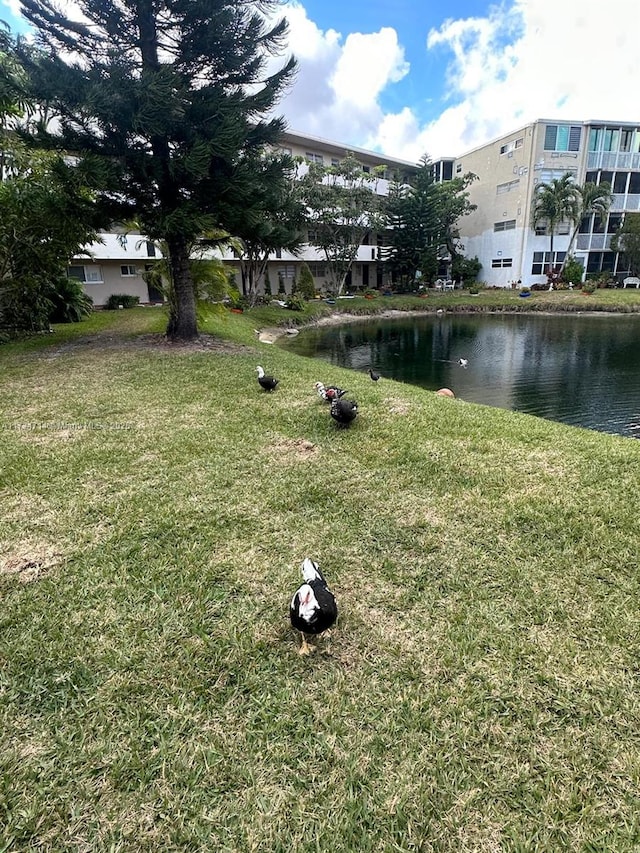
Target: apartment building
{"points": [[500, 233], [366, 271]]}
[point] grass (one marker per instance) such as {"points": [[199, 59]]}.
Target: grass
{"points": [[480, 689]]}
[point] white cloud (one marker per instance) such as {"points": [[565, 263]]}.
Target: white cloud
{"points": [[13, 6], [523, 60], [339, 81]]}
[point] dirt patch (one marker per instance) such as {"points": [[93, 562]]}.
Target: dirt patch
{"points": [[156, 342], [397, 407], [30, 563], [293, 449]]}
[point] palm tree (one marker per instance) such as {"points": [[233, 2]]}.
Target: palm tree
{"points": [[592, 198], [553, 203]]}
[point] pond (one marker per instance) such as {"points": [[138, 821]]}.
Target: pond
{"points": [[582, 370]]}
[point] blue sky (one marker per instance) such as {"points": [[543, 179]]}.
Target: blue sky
{"points": [[409, 78]]}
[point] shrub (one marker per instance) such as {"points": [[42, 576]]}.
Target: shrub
{"points": [[24, 306], [126, 300], [573, 271], [306, 287], [589, 287], [69, 302], [295, 303]]}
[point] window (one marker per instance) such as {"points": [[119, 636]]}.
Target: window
{"points": [[626, 139], [89, 274], [151, 249], [615, 221], [547, 175], [505, 225], [335, 161], [511, 146], [317, 270], [506, 188], [312, 237], [287, 271], [543, 260], [634, 183], [366, 169], [497, 263], [620, 182], [458, 168], [314, 158], [562, 137], [611, 139], [128, 270]]}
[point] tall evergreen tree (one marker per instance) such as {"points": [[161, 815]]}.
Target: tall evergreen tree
{"points": [[169, 94], [423, 218]]}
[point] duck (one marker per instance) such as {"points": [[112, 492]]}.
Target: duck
{"points": [[313, 607], [267, 382], [330, 392], [463, 362], [343, 411], [375, 376]]}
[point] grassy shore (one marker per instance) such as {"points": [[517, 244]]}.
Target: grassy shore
{"points": [[480, 689]]}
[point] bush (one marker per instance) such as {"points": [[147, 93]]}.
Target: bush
{"points": [[24, 306], [306, 287], [572, 272], [589, 287], [124, 300], [69, 302], [295, 303]]}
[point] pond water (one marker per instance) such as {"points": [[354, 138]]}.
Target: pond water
{"points": [[581, 370]]}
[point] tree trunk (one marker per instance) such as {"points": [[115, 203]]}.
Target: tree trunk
{"points": [[182, 315]]}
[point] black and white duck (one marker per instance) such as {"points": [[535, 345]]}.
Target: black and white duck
{"points": [[343, 411], [375, 376], [313, 607], [329, 392], [267, 382]]}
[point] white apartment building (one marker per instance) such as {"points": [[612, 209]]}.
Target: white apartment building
{"points": [[499, 231]]}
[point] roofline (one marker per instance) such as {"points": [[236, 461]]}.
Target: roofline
{"points": [[298, 135], [533, 122]]}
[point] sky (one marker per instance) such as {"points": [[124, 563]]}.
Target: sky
{"points": [[408, 78]]}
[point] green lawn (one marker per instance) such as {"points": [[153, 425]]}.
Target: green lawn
{"points": [[480, 691]]}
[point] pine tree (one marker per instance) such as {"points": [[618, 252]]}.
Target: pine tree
{"points": [[168, 94], [306, 285]]}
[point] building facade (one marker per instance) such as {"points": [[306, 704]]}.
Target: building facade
{"points": [[114, 265], [500, 233]]}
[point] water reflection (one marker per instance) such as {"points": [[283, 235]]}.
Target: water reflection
{"points": [[581, 370]]}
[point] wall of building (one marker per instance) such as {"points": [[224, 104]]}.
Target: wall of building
{"points": [[498, 232], [114, 265]]}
